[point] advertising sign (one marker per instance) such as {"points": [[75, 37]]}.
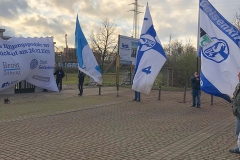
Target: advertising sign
{"points": [[127, 50]]}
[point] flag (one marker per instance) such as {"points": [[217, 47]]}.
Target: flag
{"points": [[150, 57], [29, 59], [219, 47], [86, 61]]}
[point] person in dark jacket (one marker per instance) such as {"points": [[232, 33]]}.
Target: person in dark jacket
{"points": [[236, 113], [59, 73], [81, 76], [196, 91]]}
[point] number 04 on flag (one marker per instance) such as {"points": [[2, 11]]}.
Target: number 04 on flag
{"points": [[150, 57]]}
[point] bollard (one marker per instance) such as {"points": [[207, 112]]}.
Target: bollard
{"points": [[211, 99], [184, 97], [99, 93], [159, 92], [117, 90]]}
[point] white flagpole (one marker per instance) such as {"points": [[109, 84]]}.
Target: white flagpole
{"points": [[198, 33]]}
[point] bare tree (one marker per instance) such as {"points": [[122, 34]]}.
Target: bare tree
{"points": [[188, 47], [104, 40], [236, 20]]}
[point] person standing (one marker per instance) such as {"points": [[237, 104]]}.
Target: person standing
{"points": [[196, 92], [81, 76], [59, 73], [137, 96], [236, 113]]}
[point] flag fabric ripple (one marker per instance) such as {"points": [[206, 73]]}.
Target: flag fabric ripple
{"points": [[219, 47], [86, 61], [150, 57]]}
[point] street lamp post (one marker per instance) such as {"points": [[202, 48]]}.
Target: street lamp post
{"points": [[60, 54], [61, 59], [66, 45]]}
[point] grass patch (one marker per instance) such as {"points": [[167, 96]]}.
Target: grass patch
{"points": [[110, 80], [72, 78]]}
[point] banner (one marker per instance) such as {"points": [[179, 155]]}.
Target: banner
{"points": [[150, 57], [219, 47], [86, 61], [30, 59]]}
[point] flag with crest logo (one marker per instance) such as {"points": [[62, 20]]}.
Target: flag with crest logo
{"points": [[150, 57], [219, 48]]}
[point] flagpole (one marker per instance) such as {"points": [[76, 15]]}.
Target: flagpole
{"points": [[198, 33], [117, 67]]}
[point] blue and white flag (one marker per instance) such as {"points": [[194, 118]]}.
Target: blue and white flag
{"points": [[219, 46], [86, 61], [30, 59], [150, 57]]}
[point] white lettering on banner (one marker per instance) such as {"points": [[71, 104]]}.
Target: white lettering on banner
{"points": [[217, 19], [219, 48], [29, 59]]}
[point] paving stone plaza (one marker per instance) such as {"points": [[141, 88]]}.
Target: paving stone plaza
{"points": [[64, 126]]}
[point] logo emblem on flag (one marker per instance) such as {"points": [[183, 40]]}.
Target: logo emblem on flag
{"points": [[146, 42], [219, 49], [213, 48], [150, 57]]}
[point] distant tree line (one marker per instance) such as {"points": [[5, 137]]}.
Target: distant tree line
{"points": [[182, 60]]}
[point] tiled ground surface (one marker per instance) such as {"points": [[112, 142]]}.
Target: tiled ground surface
{"points": [[63, 126]]}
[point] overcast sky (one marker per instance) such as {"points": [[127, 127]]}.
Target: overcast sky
{"points": [[41, 18]]}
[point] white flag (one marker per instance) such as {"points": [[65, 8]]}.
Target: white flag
{"points": [[219, 46], [30, 59], [86, 61], [150, 57]]}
